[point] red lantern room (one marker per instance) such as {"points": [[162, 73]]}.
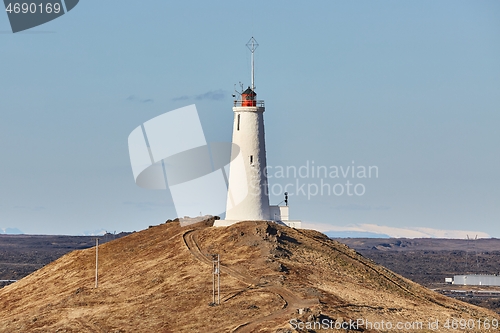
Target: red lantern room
{"points": [[248, 98]]}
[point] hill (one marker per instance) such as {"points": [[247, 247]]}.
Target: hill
{"points": [[160, 280]]}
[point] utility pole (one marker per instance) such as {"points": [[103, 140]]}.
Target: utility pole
{"points": [[218, 278], [96, 260], [215, 273], [466, 254], [213, 280]]}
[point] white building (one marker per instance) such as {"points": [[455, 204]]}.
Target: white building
{"points": [[477, 280]]}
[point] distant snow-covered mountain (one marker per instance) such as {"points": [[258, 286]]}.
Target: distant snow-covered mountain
{"points": [[10, 231], [355, 234], [381, 231], [99, 232]]}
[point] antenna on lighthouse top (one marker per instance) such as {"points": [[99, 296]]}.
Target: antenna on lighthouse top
{"points": [[252, 46]]}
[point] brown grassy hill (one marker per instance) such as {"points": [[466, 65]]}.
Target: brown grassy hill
{"points": [[159, 280]]}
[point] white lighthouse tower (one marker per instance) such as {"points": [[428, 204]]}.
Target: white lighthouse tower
{"points": [[248, 195]]}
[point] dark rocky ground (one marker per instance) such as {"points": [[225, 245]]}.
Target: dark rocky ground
{"points": [[429, 261]]}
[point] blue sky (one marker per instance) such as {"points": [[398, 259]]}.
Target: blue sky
{"points": [[409, 87]]}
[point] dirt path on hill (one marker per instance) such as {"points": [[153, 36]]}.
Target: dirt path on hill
{"points": [[292, 301], [192, 245]]}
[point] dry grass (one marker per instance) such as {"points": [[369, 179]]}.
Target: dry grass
{"points": [[153, 281]]}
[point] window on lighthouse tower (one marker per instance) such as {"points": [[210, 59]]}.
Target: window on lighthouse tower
{"points": [[238, 125], [251, 159]]}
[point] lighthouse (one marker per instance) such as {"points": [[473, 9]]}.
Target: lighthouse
{"points": [[248, 190], [248, 172]]}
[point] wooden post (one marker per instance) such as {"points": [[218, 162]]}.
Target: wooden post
{"points": [[96, 260]]}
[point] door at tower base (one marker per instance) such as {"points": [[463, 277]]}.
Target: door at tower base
{"points": [[280, 214]]}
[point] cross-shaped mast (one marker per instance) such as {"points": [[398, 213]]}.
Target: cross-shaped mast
{"points": [[252, 46]]}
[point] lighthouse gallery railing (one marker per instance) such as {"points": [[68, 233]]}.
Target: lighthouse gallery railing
{"points": [[249, 103]]}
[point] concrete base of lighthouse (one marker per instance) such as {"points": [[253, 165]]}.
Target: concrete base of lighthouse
{"points": [[290, 223], [224, 223], [279, 214]]}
